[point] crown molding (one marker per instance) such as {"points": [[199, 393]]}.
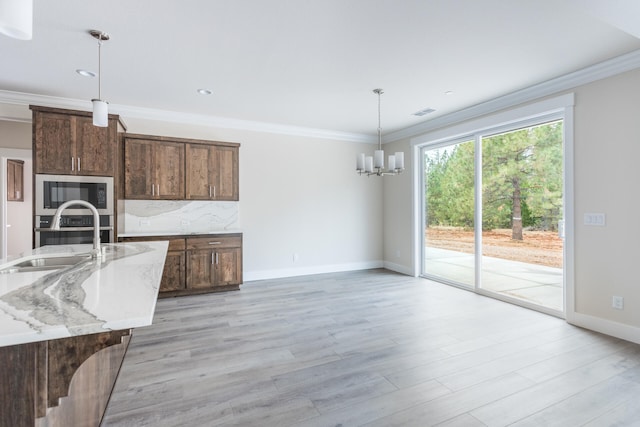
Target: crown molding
{"points": [[609, 68], [569, 81], [238, 124], [125, 111]]}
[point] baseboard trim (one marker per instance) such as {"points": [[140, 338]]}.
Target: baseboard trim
{"points": [[608, 327], [250, 276], [398, 268]]}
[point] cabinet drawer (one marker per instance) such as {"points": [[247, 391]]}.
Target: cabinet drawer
{"points": [[213, 242]]}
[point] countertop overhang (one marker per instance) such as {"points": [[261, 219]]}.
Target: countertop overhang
{"points": [[178, 233], [117, 291]]}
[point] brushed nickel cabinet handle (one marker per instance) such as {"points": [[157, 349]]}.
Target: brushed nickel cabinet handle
{"points": [[73, 163], [78, 164], [214, 191], [215, 243], [153, 189], [216, 258], [210, 192], [212, 260]]}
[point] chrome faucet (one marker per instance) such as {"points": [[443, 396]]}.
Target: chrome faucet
{"points": [[55, 223]]}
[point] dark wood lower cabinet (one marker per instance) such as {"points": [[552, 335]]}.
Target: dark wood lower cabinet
{"points": [[173, 276], [211, 263], [63, 382]]}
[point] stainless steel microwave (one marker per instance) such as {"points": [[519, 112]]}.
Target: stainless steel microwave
{"points": [[53, 190]]}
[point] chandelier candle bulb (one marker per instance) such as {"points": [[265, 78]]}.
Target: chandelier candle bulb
{"points": [[378, 157], [399, 160], [360, 162], [368, 164], [392, 162]]}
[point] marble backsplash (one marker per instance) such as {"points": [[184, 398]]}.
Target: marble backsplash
{"points": [[184, 216]]}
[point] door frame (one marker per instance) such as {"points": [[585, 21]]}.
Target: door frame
{"points": [[560, 107]]}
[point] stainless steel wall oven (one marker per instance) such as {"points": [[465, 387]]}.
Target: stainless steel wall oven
{"points": [[76, 224]]}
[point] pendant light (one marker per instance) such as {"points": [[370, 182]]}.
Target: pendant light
{"points": [[16, 18], [100, 107], [374, 165]]}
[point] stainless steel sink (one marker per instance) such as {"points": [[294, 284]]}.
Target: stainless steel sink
{"points": [[45, 263]]}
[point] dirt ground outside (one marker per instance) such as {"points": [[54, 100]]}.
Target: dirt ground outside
{"points": [[537, 247]]}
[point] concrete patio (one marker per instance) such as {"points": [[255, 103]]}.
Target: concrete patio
{"points": [[534, 283]]}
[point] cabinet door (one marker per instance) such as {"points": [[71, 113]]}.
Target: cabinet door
{"points": [[15, 180], [226, 173], [95, 148], [168, 160], [228, 266], [139, 169], [200, 272], [173, 276], [54, 150], [200, 162]]}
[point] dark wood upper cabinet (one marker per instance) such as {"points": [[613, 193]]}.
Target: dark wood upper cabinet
{"points": [[160, 167], [212, 172], [15, 180], [153, 169], [66, 142]]}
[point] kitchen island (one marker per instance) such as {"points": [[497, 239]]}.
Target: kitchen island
{"points": [[65, 324]]}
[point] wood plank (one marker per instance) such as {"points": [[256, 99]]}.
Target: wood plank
{"points": [[368, 348]]}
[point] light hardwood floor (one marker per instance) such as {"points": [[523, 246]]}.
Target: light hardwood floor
{"points": [[370, 348]]}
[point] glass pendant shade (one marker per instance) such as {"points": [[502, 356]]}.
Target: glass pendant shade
{"points": [[100, 113], [16, 18]]}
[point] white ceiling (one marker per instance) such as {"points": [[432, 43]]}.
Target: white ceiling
{"points": [[312, 63]]}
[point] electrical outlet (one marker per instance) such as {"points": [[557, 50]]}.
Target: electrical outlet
{"points": [[595, 219], [617, 302], [296, 257], [145, 222]]}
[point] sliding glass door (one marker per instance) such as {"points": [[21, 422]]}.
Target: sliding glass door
{"points": [[522, 214], [493, 213], [449, 249]]}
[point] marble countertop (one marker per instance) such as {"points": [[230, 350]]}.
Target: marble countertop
{"points": [[117, 291], [178, 233]]}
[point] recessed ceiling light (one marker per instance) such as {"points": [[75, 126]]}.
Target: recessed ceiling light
{"points": [[204, 92], [424, 112], [86, 73]]}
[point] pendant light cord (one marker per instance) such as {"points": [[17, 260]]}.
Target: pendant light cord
{"points": [[100, 68]]}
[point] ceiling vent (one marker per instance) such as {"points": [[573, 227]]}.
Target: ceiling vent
{"points": [[424, 112]]}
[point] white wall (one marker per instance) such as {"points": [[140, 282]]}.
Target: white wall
{"points": [[606, 174], [15, 140], [19, 225], [398, 225], [298, 196]]}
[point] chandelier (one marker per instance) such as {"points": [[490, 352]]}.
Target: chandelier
{"points": [[374, 165]]}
